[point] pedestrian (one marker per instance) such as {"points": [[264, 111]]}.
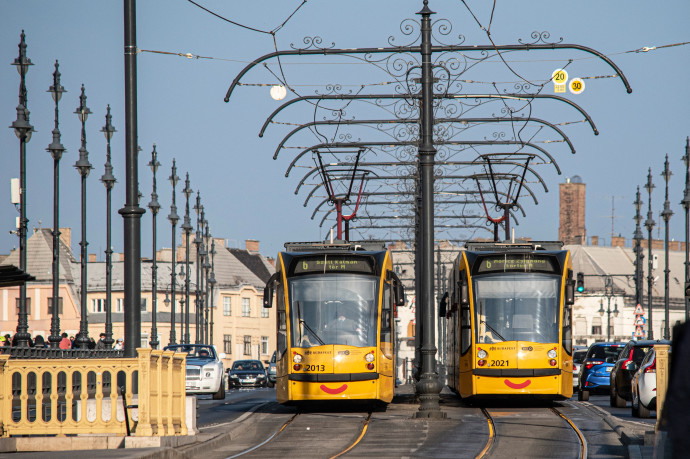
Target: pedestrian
{"points": [[120, 344], [71, 339], [101, 342], [39, 342], [65, 342], [8, 340]]}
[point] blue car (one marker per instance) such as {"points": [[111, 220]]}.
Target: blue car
{"points": [[596, 368]]}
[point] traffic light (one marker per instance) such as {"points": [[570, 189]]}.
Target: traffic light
{"points": [[580, 286]]}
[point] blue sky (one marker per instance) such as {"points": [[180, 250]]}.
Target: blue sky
{"points": [[245, 192]]}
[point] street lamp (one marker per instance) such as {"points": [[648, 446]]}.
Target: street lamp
{"points": [[56, 150], [84, 167], [608, 292], [173, 218], [187, 227], [666, 215], [212, 284], [639, 255], [686, 205], [649, 224], [206, 270], [23, 130], [155, 207], [182, 275], [198, 242], [109, 181]]}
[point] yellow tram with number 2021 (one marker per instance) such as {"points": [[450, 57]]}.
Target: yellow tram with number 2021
{"points": [[335, 321], [509, 321]]}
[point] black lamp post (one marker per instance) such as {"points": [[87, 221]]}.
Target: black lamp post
{"points": [[197, 297], [649, 224], [23, 130], [56, 150], [155, 207], [608, 292], [187, 227], [109, 181], [686, 206], [212, 284], [84, 167], [182, 275], [666, 215], [639, 255], [206, 270], [173, 218]]}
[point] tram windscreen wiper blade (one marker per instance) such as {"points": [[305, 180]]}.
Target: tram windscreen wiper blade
{"points": [[306, 325], [493, 330]]}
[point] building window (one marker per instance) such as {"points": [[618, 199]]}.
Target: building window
{"points": [[227, 344], [247, 345], [28, 306], [120, 305], [227, 306], [264, 313], [246, 310], [50, 306], [98, 305], [264, 345], [143, 304], [596, 326]]}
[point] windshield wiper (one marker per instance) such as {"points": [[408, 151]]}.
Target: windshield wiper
{"points": [[492, 329], [306, 325]]}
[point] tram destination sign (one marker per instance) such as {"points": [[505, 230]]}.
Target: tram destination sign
{"points": [[517, 263], [319, 264]]}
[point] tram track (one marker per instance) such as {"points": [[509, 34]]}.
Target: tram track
{"points": [[494, 434]]}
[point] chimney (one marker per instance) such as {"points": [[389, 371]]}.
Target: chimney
{"points": [[271, 260], [92, 258], [220, 242], [251, 245], [118, 256], [66, 236], [595, 240]]}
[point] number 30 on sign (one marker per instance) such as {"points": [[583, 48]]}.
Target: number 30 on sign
{"points": [[577, 85]]}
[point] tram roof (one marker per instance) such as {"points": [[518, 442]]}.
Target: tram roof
{"points": [[336, 246], [476, 246]]}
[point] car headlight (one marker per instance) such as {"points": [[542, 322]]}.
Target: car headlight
{"points": [[260, 376], [233, 377]]}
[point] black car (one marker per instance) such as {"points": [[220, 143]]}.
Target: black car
{"points": [[247, 373], [620, 386]]}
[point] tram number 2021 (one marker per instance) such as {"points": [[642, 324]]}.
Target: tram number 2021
{"points": [[314, 368], [499, 363]]}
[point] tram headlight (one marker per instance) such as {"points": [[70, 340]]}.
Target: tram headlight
{"points": [[552, 353], [369, 357], [297, 358], [481, 353]]}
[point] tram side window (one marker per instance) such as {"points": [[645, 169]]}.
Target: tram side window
{"points": [[282, 322], [465, 318], [567, 329], [386, 313]]}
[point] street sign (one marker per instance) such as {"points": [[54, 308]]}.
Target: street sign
{"points": [[560, 78], [639, 311], [576, 85], [640, 320]]}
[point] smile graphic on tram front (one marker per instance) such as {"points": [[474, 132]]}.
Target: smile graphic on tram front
{"points": [[335, 391], [513, 385]]}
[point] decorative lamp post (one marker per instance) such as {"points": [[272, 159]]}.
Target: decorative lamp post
{"points": [[109, 181], [182, 303], [686, 206], [649, 224], [212, 284], [666, 215], [206, 269], [23, 130], [56, 150], [166, 301], [608, 292], [155, 207], [84, 167], [187, 227], [173, 218], [197, 243], [639, 255]]}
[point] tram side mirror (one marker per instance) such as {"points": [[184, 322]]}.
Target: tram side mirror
{"points": [[399, 294], [268, 291], [570, 292], [464, 293]]}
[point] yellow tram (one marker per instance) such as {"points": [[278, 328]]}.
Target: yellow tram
{"points": [[335, 311], [509, 321]]}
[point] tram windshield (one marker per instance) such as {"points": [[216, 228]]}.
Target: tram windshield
{"points": [[333, 309], [516, 307]]}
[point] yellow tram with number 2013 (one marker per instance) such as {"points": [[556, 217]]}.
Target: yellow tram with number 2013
{"points": [[509, 319], [335, 307]]}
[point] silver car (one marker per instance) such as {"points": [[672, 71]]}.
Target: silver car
{"points": [[578, 358], [205, 372]]}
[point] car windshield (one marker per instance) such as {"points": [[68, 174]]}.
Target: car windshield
{"points": [[194, 352], [246, 366], [604, 352], [579, 356]]}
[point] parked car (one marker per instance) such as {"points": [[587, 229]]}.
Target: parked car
{"points": [[247, 373], [628, 362], [272, 371], [594, 372], [578, 358], [205, 372], [644, 386]]}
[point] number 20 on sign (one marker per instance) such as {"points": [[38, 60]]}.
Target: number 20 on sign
{"points": [[560, 78]]}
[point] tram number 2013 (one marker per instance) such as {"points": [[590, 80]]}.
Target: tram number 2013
{"points": [[499, 363], [314, 368]]}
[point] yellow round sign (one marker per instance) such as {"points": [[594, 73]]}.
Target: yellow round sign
{"points": [[577, 85], [559, 76]]}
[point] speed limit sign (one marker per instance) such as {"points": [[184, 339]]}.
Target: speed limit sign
{"points": [[560, 78], [576, 85]]}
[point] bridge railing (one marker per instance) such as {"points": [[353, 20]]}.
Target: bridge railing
{"points": [[89, 395]]}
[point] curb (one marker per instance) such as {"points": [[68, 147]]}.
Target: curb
{"points": [[628, 434]]}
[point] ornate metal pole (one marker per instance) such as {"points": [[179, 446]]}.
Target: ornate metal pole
{"points": [[207, 272], [212, 284], [84, 167], [56, 149], [197, 243], [23, 130], [187, 227], [109, 181], [686, 206], [173, 218], [666, 215], [429, 384], [649, 224], [155, 207], [639, 255]]}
